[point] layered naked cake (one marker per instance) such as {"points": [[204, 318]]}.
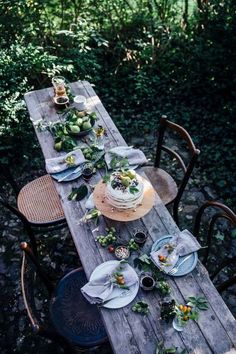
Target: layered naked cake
{"points": [[124, 189]]}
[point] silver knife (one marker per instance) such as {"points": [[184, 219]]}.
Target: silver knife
{"points": [[70, 173]]}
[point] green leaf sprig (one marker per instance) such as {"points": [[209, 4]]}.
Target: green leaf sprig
{"points": [[78, 193], [133, 190], [162, 350], [132, 245], [92, 214], [118, 162], [198, 303]]}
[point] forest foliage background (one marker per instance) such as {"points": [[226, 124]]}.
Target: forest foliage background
{"points": [[145, 57]]}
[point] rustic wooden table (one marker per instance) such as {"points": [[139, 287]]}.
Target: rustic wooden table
{"points": [[130, 333]]}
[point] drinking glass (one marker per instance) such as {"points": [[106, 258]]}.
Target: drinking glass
{"points": [[87, 171], [179, 323], [59, 85]]}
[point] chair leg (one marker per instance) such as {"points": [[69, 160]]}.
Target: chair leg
{"points": [[32, 238], [175, 212]]}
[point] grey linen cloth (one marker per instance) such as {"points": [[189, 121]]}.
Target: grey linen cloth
{"points": [[182, 243], [98, 290], [89, 204], [135, 156], [59, 164]]}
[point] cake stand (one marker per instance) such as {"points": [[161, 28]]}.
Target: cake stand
{"points": [[112, 213]]}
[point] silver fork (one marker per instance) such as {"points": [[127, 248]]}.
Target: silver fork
{"points": [[175, 269]]}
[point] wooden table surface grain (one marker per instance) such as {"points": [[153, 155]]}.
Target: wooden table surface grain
{"points": [[128, 332]]}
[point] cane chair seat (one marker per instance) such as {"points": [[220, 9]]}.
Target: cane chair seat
{"points": [[163, 183], [73, 316], [39, 202]]}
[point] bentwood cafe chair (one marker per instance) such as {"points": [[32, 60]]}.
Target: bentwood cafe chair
{"points": [[69, 319], [38, 203], [164, 184], [221, 211]]}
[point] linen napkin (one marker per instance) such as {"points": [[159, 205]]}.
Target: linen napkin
{"points": [[135, 156], [180, 245], [89, 204], [98, 290], [59, 164]]}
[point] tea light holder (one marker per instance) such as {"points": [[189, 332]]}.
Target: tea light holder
{"points": [[147, 282], [140, 237]]}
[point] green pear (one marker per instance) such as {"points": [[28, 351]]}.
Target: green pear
{"points": [[131, 174], [79, 121], [86, 126], [125, 181], [74, 129], [58, 146]]}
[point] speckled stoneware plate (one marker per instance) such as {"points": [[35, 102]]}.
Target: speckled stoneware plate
{"points": [[187, 266], [59, 175], [117, 302]]}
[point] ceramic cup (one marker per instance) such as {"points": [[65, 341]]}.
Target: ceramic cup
{"points": [[80, 102], [147, 281], [140, 237]]}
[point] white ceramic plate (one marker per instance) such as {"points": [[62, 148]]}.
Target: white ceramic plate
{"points": [[121, 301], [187, 266]]}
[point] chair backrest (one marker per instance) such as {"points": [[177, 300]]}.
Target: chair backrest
{"points": [[31, 273], [165, 124], [223, 212], [32, 261]]}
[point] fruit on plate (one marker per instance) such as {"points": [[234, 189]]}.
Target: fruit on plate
{"points": [[86, 125], [78, 122], [74, 128]]}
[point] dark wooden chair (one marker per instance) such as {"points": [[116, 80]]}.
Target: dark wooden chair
{"points": [[74, 323], [223, 212], [162, 181], [38, 203]]}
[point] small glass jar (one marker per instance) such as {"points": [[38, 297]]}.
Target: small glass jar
{"points": [[87, 171], [59, 85], [140, 237], [179, 323]]}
